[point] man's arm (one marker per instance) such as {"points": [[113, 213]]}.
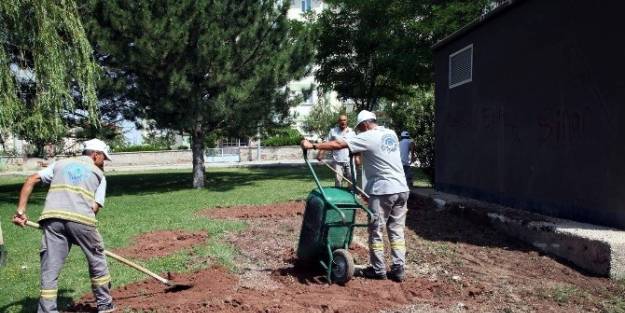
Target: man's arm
{"points": [[100, 195], [20, 217], [330, 145], [320, 155]]}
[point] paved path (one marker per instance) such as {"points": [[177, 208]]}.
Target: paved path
{"points": [[110, 168]]}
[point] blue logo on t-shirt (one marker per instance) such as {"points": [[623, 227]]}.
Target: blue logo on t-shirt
{"points": [[389, 144], [76, 173]]}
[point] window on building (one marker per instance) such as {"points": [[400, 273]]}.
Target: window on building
{"points": [[306, 5], [461, 67]]}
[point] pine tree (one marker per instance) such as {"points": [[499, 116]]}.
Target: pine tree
{"points": [[201, 66]]}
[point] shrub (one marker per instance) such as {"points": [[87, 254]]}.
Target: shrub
{"points": [[285, 136]]}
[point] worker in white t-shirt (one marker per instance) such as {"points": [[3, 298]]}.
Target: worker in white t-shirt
{"points": [[387, 190]]}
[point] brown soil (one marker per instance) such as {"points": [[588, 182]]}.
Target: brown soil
{"points": [[161, 243], [288, 209], [454, 265]]}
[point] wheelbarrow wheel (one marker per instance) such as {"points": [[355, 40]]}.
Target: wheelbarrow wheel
{"points": [[342, 266]]}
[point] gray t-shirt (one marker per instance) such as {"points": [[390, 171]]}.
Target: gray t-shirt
{"points": [[381, 160], [342, 155]]}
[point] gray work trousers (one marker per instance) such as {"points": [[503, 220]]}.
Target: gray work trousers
{"points": [[342, 168], [58, 238], [409, 175], [390, 211]]}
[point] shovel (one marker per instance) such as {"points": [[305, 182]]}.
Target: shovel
{"points": [[172, 286], [362, 192]]}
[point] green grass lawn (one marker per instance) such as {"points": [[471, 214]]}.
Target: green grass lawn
{"points": [[137, 203]]}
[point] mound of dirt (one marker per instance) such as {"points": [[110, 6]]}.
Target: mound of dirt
{"points": [[161, 243], [216, 290], [210, 289], [275, 210]]}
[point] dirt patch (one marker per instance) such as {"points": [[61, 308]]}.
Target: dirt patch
{"points": [[287, 209], [161, 243], [454, 265], [208, 291]]}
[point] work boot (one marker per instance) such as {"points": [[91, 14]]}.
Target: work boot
{"points": [[370, 273], [106, 308], [397, 273]]}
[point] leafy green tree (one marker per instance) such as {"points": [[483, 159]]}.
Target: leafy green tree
{"points": [[369, 50], [201, 66], [415, 114], [47, 72]]}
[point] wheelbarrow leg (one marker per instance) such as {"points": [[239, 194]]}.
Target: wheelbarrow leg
{"points": [[331, 261]]}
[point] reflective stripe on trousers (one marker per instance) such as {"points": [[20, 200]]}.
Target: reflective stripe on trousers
{"points": [[57, 240], [390, 211]]}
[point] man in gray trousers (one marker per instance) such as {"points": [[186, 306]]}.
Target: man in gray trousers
{"points": [[77, 192], [386, 187]]}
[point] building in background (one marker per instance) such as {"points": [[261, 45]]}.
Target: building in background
{"points": [[529, 109], [308, 86]]}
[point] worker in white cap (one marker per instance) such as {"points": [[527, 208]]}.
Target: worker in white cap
{"points": [[387, 190], [76, 194], [408, 154]]}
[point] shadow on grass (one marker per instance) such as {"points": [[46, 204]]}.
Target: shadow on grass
{"points": [[221, 180], [30, 304]]}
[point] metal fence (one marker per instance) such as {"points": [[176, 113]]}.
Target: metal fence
{"points": [[225, 154]]}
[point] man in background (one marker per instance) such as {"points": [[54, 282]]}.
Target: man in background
{"points": [[340, 158], [408, 155]]}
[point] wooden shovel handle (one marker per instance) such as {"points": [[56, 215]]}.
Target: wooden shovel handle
{"points": [[136, 266]]}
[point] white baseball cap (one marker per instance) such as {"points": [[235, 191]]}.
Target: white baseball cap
{"points": [[405, 134], [365, 115], [98, 145]]}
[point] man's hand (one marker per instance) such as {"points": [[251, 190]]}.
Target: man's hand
{"points": [[95, 207], [20, 218], [305, 144], [320, 155]]}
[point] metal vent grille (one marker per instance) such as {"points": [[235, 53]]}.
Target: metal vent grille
{"points": [[461, 66]]}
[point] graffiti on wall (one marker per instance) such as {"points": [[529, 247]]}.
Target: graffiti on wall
{"points": [[561, 125]]}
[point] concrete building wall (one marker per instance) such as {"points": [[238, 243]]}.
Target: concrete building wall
{"points": [[539, 127]]}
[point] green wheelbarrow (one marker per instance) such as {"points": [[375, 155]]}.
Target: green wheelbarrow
{"points": [[327, 228]]}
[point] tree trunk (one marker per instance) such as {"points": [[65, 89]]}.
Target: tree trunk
{"points": [[197, 147]]}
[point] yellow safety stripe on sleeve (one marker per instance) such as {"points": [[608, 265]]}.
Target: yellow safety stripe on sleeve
{"points": [[376, 246], [398, 245], [101, 281], [48, 294], [70, 216], [71, 188]]}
